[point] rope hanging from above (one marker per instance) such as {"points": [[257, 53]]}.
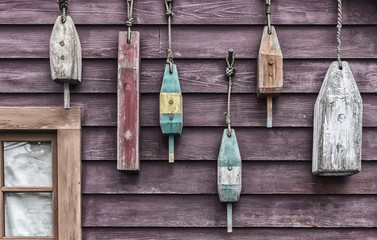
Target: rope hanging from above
{"points": [[268, 15], [130, 20], [229, 72], [169, 52], [63, 7], [339, 29]]}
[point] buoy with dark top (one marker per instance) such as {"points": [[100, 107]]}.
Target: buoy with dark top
{"points": [[65, 52]]}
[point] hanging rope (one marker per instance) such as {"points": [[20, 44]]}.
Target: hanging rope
{"points": [[130, 20], [63, 7], [229, 72], [339, 27], [268, 15], [169, 52]]}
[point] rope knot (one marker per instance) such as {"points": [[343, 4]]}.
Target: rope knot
{"points": [[129, 22], [169, 12], [168, 4], [230, 71], [63, 4]]}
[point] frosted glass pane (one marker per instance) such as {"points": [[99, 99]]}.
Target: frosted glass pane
{"points": [[27, 164], [28, 214]]}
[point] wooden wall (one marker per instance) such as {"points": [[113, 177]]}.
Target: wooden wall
{"points": [[281, 198]]}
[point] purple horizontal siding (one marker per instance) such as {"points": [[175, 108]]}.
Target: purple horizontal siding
{"points": [[251, 211], [200, 110], [179, 201], [196, 76], [190, 12], [285, 144], [298, 42], [199, 177], [218, 233]]}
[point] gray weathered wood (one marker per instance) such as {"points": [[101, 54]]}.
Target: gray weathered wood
{"points": [[65, 55], [337, 133]]}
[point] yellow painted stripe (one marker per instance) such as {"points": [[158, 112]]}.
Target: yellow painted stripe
{"points": [[170, 103], [171, 157]]}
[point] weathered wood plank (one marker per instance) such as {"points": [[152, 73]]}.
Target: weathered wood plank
{"points": [[191, 12], [29, 118], [128, 111], [203, 144], [187, 177], [204, 110], [218, 233], [196, 42], [69, 182], [197, 76], [250, 211], [337, 130]]}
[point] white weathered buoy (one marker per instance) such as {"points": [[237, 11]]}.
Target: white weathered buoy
{"points": [[65, 55], [337, 132]]}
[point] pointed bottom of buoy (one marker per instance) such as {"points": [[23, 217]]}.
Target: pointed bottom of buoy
{"points": [[171, 148], [229, 217]]}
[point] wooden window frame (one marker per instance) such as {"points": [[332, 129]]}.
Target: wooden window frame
{"points": [[67, 125]]}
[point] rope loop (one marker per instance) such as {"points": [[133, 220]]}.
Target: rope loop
{"points": [[169, 7], [229, 73], [63, 7], [169, 51], [339, 29], [268, 15], [130, 20], [169, 59]]}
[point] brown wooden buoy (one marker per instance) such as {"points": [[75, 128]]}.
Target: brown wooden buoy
{"points": [[270, 67]]}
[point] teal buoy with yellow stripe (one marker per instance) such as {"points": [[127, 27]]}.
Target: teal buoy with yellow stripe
{"points": [[171, 108]]}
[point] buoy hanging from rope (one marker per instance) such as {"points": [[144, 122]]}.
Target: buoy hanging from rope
{"points": [[65, 52], [338, 112], [270, 65], [171, 105], [229, 163], [128, 132]]}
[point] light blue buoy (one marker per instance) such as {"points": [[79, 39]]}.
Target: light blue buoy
{"points": [[171, 108]]}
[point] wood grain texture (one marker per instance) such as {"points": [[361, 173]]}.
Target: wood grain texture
{"points": [[191, 12], [203, 144], [187, 177], [337, 130], [250, 211], [197, 76], [29, 118], [218, 233], [69, 184], [291, 110], [314, 42], [65, 52], [128, 111]]}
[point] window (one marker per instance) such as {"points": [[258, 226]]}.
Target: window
{"points": [[40, 173]]}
